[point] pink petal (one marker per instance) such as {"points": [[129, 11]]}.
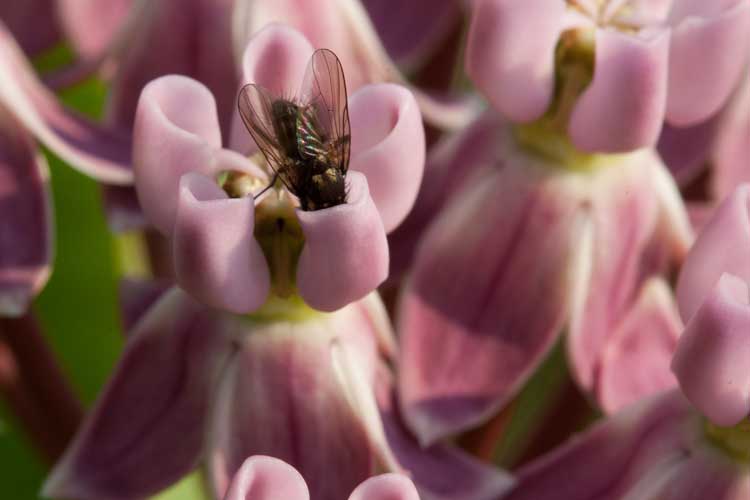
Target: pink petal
{"points": [[217, 258], [357, 384], [267, 478], [91, 25], [608, 459], [711, 359], [472, 305], [411, 30], [514, 70], [152, 410], [635, 363], [345, 256], [33, 23], [171, 139], [706, 474], [630, 83], [25, 218], [639, 228], [706, 58], [99, 152], [386, 487], [722, 247], [276, 58], [186, 37], [732, 146], [449, 164], [280, 397], [440, 471], [388, 146]]}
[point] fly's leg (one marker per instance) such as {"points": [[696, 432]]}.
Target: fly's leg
{"points": [[270, 185]]}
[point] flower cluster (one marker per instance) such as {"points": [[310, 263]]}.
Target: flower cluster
{"points": [[369, 237]]}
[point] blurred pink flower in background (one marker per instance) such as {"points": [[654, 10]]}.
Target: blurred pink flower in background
{"points": [[675, 60], [525, 248], [538, 227], [267, 478], [665, 447]]}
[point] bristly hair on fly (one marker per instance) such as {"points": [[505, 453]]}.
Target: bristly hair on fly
{"points": [[306, 140]]}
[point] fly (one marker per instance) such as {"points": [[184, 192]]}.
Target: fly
{"points": [[305, 140]]}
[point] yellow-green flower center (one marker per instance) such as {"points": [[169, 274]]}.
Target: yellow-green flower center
{"points": [[735, 441]]}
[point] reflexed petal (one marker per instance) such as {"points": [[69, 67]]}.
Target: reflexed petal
{"points": [[514, 70], [280, 397], [386, 487], [217, 258], [186, 37], [707, 56], [506, 240], [722, 247], [635, 363], [449, 164], [176, 131], [388, 147], [711, 359], [25, 218], [267, 478], [345, 256], [732, 147], [97, 151], [152, 411], [639, 228], [411, 30], [630, 82], [91, 25], [440, 471], [276, 58], [706, 473], [607, 460]]}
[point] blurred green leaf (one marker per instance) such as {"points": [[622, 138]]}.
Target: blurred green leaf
{"points": [[192, 487]]}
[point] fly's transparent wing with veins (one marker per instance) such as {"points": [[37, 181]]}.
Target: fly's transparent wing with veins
{"points": [[324, 122], [256, 109]]}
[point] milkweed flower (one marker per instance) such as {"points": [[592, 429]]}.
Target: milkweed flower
{"points": [[284, 362], [690, 442], [556, 215], [646, 62], [267, 478]]}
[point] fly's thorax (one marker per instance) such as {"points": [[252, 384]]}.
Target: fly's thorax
{"points": [[285, 116]]}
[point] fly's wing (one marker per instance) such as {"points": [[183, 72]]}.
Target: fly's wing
{"points": [[255, 103], [324, 124]]}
